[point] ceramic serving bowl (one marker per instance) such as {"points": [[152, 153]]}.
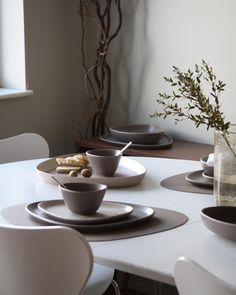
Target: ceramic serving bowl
{"points": [[138, 134], [220, 220], [208, 169], [104, 161], [83, 198]]}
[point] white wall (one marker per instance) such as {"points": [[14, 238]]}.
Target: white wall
{"points": [[157, 34], [54, 74]]}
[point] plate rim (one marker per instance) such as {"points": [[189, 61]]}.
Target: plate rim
{"points": [[157, 131], [104, 226], [149, 133], [93, 221], [204, 174], [208, 182], [136, 145], [111, 182]]}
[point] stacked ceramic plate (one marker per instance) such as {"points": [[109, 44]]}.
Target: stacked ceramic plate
{"points": [[198, 178], [110, 215], [204, 177], [143, 136]]}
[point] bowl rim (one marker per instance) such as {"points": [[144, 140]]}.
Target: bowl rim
{"points": [[206, 175], [158, 130], [96, 187], [230, 224], [93, 151]]}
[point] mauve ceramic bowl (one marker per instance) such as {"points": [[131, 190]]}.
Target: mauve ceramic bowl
{"points": [[104, 161], [220, 220], [138, 134], [83, 198], [209, 170]]}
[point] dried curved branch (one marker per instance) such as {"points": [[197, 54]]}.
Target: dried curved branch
{"points": [[98, 75]]}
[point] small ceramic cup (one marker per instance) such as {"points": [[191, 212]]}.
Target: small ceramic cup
{"points": [[83, 198], [104, 161], [208, 169]]}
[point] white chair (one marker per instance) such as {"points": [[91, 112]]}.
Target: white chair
{"points": [[31, 146], [48, 260], [192, 279], [23, 147]]}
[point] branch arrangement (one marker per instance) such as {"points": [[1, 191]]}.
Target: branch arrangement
{"points": [[98, 75], [188, 100]]}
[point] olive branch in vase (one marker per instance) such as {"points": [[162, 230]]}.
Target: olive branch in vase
{"points": [[189, 101]]}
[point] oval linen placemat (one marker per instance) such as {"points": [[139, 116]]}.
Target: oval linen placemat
{"points": [[179, 183], [162, 220]]}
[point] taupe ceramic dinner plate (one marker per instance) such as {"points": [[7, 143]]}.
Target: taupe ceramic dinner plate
{"points": [[139, 214], [109, 211], [221, 220], [129, 173], [165, 142], [197, 179]]}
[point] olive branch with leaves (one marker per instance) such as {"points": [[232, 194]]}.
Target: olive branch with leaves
{"points": [[189, 101]]}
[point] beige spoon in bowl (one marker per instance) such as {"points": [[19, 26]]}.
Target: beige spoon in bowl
{"points": [[125, 147]]}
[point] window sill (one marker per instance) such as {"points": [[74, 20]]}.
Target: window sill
{"points": [[7, 93]]}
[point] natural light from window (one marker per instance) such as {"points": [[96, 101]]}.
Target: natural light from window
{"points": [[12, 49]]}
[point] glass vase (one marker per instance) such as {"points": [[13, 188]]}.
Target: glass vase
{"points": [[225, 167]]}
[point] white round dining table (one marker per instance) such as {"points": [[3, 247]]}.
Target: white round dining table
{"points": [[152, 256]]}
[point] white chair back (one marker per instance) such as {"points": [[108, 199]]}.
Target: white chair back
{"points": [[24, 146], [192, 279], [43, 261]]}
